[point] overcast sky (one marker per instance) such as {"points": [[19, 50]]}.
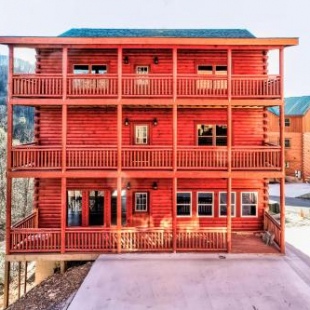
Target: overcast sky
{"points": [[264, 18]]}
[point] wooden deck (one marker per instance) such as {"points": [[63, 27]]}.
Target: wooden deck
{"points": [[251, 243]]}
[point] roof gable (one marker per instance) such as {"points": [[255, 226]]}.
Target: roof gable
{"points": [[157, 33]]}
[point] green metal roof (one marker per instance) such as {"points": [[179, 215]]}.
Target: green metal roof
{"points": [[294, 106], [157, 33]]}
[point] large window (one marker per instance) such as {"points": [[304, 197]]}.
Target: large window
{"points": [[96, 202], [208, 134], [184, 204], [74, 214], [142, 134], [213, 82], [223, 204], [205, 204], [249, 204], [141, 202]]}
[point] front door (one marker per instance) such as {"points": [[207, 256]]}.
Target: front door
{"points": [[114, 208]]}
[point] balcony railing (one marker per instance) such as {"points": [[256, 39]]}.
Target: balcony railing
{"points": [[110, 240], [32, 157], [273, 226], [150, 85]]}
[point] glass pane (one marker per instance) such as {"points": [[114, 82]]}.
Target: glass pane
{"points": [[81, 69], [205, 210], [142, 70], [221, 130], [221, 141], [99, 69], [141, 202], [223, 210], [205, 69], [223, 198], [221, 70], [249, 210], [205, 130], [205, 198], [248, 198], [183, 198], [96, 207], [183, 210], [141, 134], [74, 208]]}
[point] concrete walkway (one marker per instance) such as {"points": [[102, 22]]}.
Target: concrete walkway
{"points": [[196, 281]]}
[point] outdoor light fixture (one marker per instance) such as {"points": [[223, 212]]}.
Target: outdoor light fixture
{"points": [[128, 186], [126, 122], [126, 60], [154, 185], [155, 121], [155, 60]]}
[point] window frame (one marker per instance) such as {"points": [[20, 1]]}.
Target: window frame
{"points": [[241, 204], [214, 134], [147, 125], [212, 206], [90, 68], [146, 210], [233, 205], [287, 122], [289, 145], [190, 205]]}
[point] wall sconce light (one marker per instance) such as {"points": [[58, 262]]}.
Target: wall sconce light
{"points": [[155, 185], [155, 121], [128, 186], [126, 122], [155, 60], [126, 60]]}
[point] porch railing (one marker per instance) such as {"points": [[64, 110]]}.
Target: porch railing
{"points": [[89, 157], [202, 239], [147, 85], [92, 85], [26, 240], [41, 85], [197, 157], [147, 157], [263, 158], [30, 221], [271, 225]]}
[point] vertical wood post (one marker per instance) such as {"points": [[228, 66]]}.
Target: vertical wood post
{"points": [[282, 143], [8, 222], [63, 214], [174, 213], [119, 72], [10, 108], [64, 109], [64, 72], [229, 243], [119, 214], [25, 277], [229, 73], [6, 297], [175, 72], [19, 279]]}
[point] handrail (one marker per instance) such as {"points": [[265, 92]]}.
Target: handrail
{"points": [[27, 222]]}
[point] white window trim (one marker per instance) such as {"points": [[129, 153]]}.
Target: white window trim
{"points": [[147, 207], [241, 204], [190, 207], [147, 133], [90, 68], [232, 205], [208, 204]]}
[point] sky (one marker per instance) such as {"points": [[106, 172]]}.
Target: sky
{"points": [[264, 18]]}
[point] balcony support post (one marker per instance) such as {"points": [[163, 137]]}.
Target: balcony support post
{"points": [[229, 243], [119, 72], [63, 214], [175, 72], [282, 143], [64, 72], [229, 69], [7, 271], [174, 213]]}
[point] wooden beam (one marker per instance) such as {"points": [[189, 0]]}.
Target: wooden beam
{"points": [[282, 214], [10, 109], [229, 73], [19, 280], [52, 257], [229, 244], [25, 277], [63, 214], [7, 271], [174, 213], [8, 214], [119, 71], [64, 72]]}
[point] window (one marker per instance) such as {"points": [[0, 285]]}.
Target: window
{"points": [[184, 204], [205, 204], [212, 134], [141, 134], [87, 69], [212, 82], [287, 164], [143, 81], [141, 202], [74, 201], [287, 143], [287, 122], [223, 204], [96, 202], [249, 204]]}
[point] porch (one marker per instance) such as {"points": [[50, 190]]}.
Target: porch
{"points": [[33, 156], [26, 238]]}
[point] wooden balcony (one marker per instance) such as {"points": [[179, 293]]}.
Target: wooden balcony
{"points": [[33, 157], [105, 240], [150, 86]]}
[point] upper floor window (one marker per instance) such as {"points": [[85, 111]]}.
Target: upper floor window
{"points": [[212, 83], [184, 204], [141, 202], [223, 203], [141, 134], [287, 143], [249, 204], [142, 70], [287, 122], [93, 69], [205, 204], [211, 134]]}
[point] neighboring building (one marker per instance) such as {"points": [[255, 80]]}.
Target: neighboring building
{"points": [[297, 135], [145, 140]]}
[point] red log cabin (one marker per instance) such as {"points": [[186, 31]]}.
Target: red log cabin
{"points": [[145, 140]]}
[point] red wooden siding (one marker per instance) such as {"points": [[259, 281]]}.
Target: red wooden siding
{"points": [[306, 155]]}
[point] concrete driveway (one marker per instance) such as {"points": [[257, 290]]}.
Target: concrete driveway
{"points": [[196, 281]]}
